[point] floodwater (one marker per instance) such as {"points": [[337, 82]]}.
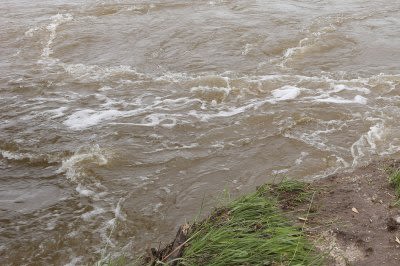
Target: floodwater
{"points": [[120, 120]]}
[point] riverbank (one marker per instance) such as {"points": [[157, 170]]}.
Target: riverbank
{"points": [[344, 219]]}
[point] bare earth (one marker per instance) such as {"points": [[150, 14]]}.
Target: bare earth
{"points": [[352, 217]]}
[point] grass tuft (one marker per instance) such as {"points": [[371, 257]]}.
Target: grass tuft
{"points": [[394, 179], [252, 231], [301, 191]]}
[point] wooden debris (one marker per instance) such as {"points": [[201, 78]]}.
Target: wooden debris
{"points": [[171, 251]]}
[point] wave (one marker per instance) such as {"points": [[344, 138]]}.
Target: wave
{"points": [[74, 166]]}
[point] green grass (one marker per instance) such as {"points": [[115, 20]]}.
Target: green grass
{"points": [[252, 231], [292, 192], [394, 179]]}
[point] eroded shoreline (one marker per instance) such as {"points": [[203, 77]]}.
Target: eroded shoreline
{"points": [[349, 219]]}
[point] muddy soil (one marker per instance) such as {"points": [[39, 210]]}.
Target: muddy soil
{"points": [[353, 217]]}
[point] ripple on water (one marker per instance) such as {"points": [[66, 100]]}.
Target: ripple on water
{"points": [[118, 119]]}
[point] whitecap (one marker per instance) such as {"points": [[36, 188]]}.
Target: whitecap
{"points": [[366, 145], [87, 118], [73, 167], [339, 100], [285, 93]]}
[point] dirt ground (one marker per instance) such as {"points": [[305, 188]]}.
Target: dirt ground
{"points": [[353, 218]]}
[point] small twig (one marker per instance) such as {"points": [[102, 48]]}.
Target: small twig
{"points": [[178, 247]]}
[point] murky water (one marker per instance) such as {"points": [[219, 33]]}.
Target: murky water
{"points": [[119, 118]]}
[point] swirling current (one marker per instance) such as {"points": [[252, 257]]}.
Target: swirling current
{"points": [[121, 119]]}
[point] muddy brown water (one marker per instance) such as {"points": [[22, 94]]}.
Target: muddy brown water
{"points": [[119, 118]]}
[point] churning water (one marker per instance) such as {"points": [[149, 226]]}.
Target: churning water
{"points": [[119, 118]]}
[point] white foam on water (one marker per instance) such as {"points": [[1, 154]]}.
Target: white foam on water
{"points": [[105, 88], [31, 31], [292, 52], [73, 167], [342, 87], [86, 118], [57, 20], [143, 178], [103, 203], [227, 113], [302, 156], [374, 134], [247, 48], [83, 119], [317, 137], [16, 156], [230, 111], [56, 113], [257, 79], [366, 145], [119, 214], [220, 93], [206, 89], [155, 119], [358, 99], [108, 227], [306, 44], [152, 120], [175, 77], [341, 161], [285, 93], [280, 171], [109, 102], [21, 156], [98, 73], [84, 191], [93, 213], [175, 147], [180, 102]]}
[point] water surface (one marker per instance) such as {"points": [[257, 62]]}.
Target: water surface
{"points": [[119, 118]]}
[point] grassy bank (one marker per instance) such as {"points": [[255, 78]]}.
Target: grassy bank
{"points": [[251, 230]]}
